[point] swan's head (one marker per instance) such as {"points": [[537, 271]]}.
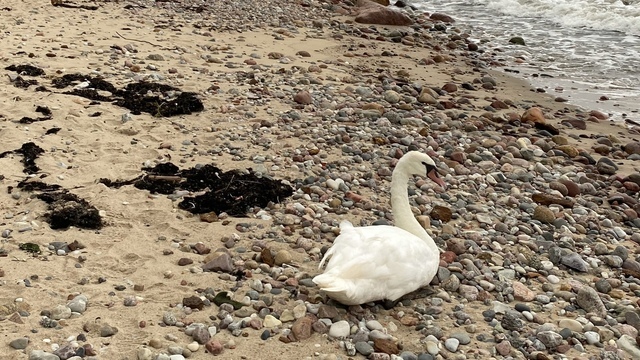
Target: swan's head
{"points": [[421, 164]]}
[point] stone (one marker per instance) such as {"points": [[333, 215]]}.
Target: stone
{"points": [[570, 324], [606, 166], [107, 330], [452, 283], [570, 150], [379, 356], [363, 348], [391, 97], [543, 214], [78, 304], [60, 312], [457, 246], [517, 40], [548, 199], [169, 318], [441, 213], [512, 320], [462, 337], [452, 344], [144, 353], [632, 318], [193, 302], [271, 322], [442, 17], [201, 335], [303, 327], [503, 347], [327, 312], [521, 292], [632, 147], [220, 262], [65, 352], [450, 87], [590, 301], [468, 292], [19, 343], [42, 355], [572, 188], [426, 97], [534, 115], [369, 12], [214, 347], [550, 339], [628, 344], [303, 97], [282, 257], [603, 286], [340, 329], [386, 346], [574, 261], [592, 337]]}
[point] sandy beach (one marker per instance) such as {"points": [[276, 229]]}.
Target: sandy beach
{"points": [[299, 93]]}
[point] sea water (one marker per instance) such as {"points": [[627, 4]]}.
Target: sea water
{"points": [[580, 50]]}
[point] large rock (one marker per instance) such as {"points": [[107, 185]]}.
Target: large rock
{"points": [[534, 115], [370, 12], [219, 262], [442, 17], [632, 147]]}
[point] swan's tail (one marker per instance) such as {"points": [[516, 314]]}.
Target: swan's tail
{"points": [[331, 284], [337, 289]]}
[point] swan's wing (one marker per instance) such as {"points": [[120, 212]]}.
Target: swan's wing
{"points": [[380, 253]]}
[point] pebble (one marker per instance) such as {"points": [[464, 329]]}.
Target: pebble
{"points": [[364, 348], [19, 343], [271, 322], [452, 344], [340, 329]]}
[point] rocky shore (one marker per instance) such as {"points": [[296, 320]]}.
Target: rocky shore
{"points": [[539, 226]]}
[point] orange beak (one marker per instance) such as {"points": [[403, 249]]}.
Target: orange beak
{"points": [[433, 175]]}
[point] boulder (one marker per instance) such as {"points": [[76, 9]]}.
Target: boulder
{"points": [[370, 12], [442, 17]]}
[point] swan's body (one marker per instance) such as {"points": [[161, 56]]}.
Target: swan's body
{"points": [[383, 262]]}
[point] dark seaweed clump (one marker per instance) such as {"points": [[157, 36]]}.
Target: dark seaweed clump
{"points": [[40, 109], [153, 98], [27, 70], [30, 152], [67, 210], [136, 98], [21, 83], [232, 192]]}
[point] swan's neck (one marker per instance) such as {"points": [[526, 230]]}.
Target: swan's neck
{"points": [[402, 215]]}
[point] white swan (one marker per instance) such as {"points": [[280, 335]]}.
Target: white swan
{"points": [[384, 262]]}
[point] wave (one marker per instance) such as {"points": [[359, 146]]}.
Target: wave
{"points": [[608, 15]]}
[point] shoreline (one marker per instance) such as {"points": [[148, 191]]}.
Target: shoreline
{"points": [[304, 97], [542, 73]]}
